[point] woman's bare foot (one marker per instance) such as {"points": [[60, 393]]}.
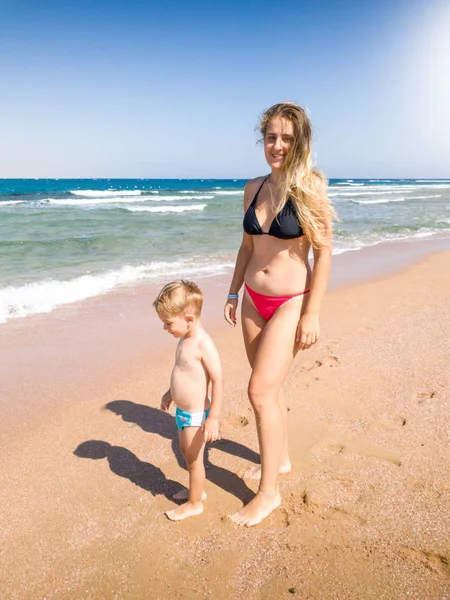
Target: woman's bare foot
{"points": [[184, 511], [184, 495], [255, 472], [258, 509]]}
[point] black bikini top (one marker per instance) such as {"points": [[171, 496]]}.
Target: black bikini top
{"points": [[285, 225]]}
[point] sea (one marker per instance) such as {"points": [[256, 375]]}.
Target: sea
{"points": [[67, 240]]}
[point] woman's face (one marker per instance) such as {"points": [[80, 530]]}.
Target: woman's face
{"points": [[278, 141]]}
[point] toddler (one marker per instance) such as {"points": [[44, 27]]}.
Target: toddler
{"points": [[196, 372]]}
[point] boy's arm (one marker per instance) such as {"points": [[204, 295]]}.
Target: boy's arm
{"points": [[211, 362]]}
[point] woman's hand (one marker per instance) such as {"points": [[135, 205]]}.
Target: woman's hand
{"points": [[307, 331], [229, 311]]}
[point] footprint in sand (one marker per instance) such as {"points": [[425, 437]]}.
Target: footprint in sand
{"points": [[422, 396], [329, 361], [388, 421], [425, 489], [312, 364], [378, 455], [433, 561], [295, 503], [278, 521], [364, 329], [236, 421], [341, 515], [311, 503], [346, 482], [323, 449]]}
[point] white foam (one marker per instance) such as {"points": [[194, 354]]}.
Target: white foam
{"points": [[116, 201], [46, 295], [381, 201], [196, 197], [342, 250], [341, 246], [440, 186], [378, 187], [10, 202], [100, 193], [90, 201], [166, 209], [361, 193], [230, 193], [425, 197]]}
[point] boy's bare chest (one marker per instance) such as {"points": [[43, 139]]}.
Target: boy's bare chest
{"points": [[187, 358]]}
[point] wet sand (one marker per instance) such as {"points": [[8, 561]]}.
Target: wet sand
{"points": [[89, 463]]}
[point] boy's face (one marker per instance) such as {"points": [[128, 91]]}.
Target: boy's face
{"points": [[178, 325]]}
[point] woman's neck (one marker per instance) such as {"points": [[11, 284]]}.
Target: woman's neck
{"points": [[275, 177]]}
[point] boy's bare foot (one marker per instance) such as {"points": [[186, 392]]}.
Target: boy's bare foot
{"points": [[184, 511], [184, 495], [255, 472], [258, 509]]}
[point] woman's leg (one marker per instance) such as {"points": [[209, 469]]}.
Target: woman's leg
{"points": [[252, 327], [275, 353]]}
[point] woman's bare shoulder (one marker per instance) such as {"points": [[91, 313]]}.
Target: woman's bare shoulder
{"points": [[251, 187], [255, 183]]}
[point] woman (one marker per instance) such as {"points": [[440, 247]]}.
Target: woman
{"points": [[285, 213]]}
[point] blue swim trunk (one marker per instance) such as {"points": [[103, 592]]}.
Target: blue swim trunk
{"points": [[187, 419]]}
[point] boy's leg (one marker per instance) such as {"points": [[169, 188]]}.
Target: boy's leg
{"points": [[194, 446], [184, 493]]}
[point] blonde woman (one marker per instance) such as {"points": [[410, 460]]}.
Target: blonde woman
{"points": [[285, 214]]}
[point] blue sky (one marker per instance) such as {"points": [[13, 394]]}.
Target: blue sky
{"points": [[151, 89]]}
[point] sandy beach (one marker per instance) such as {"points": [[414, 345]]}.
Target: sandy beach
{"points": [[89, 463]]}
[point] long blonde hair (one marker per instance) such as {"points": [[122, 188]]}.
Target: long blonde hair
{"points": [[300, 181]]}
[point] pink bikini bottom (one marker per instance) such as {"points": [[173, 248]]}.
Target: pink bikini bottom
{"points": [[267, 305]]}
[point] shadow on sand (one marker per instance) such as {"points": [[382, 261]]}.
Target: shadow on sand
{"points": [[124, 463]]}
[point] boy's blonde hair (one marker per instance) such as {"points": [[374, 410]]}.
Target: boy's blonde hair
{"points": [[178, 297]]}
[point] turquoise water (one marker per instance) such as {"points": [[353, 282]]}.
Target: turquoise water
{"points": [[62, 241]]}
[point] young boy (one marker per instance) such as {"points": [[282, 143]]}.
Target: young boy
{"points": [[197, 367]]}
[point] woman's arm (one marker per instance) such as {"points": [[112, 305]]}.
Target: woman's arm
{"points": [[243, 258], [308, 327]]}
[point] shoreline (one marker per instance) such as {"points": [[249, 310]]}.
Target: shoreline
{"points": [[90, 464], [48, 350], [367, 262]]}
